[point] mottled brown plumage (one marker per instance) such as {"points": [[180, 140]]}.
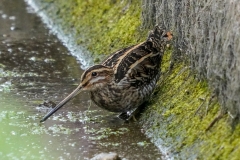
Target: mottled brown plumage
{"points": [[126, 78]]}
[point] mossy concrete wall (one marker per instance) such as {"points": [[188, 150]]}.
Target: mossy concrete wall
{"points": [[183, 115]]}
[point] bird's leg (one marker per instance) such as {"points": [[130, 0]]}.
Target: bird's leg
{"points": [[128, 115], [123, 116]]}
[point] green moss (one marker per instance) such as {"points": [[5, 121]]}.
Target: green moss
{"points": [[102, 26], [182, 110]]}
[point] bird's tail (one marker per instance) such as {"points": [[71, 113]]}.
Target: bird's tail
{"points": [[159, 37]]}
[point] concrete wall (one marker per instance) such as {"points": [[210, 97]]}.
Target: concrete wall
{"points": [[207, 32]]}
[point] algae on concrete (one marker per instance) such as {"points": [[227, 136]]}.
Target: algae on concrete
{"points": [[181, 112], [101, 26]]}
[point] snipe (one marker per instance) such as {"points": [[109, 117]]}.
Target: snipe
{"points": [[126, 78]]}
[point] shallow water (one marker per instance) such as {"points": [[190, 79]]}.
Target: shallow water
{"points": [[34, 67]]}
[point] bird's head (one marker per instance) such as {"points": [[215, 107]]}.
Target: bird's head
{"points": [[93, 78], [159, 37], [96, 77]]}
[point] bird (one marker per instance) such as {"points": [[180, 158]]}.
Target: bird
{"points": [[126, 79]]}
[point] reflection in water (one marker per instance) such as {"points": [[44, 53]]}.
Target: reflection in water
{"points": [[35, 66]]}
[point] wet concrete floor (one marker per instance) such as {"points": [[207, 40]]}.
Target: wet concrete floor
{"points": [[35, 67]]}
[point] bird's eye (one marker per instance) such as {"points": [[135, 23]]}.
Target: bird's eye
{"points": [[94, 74]]}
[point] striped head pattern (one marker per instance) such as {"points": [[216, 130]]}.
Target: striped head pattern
{"points": [[96, 77]]}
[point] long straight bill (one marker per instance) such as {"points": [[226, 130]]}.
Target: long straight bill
{"points": [[62, 103]]}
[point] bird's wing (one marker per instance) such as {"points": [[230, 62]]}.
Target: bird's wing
{"points": [[138, 65], [113, 59]]}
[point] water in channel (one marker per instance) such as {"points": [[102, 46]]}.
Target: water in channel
{"points": [[34, 67]]}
